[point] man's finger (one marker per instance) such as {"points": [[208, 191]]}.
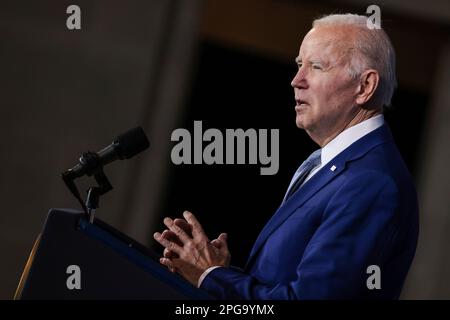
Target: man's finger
{"points": [[184, 238], [184, 225], [197, 230], [168, 263], [167, 244], [217, 243], [221, 241], [223, 237], [171, 236], [169, 254]]}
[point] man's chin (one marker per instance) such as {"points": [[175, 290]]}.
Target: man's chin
{"points": [[299, 121]]}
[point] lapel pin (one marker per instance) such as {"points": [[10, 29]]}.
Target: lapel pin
{"points": [[333, 168]]}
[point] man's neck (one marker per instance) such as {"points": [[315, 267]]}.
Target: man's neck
{"points": [[359, 117]]}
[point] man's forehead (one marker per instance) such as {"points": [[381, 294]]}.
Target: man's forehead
{"points": [[323, 41]]}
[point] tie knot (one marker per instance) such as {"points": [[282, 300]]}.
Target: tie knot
{"points": [[315, 158]]}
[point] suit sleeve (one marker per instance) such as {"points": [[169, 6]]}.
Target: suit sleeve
{"points": [[358, 223]]}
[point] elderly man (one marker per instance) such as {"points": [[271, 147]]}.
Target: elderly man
{"points": [[351, 207]]}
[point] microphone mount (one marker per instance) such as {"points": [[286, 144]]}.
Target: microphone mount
{"points": [[90, 161]]}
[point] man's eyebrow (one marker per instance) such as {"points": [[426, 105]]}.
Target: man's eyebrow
{"points": [[299, 60]]}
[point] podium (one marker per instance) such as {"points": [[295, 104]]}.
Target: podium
{"points": [[75, 259]]}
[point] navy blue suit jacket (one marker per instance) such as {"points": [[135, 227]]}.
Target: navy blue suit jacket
{"points": [[320, 242]]}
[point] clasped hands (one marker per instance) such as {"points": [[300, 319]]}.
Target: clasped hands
{"points": [[188, 251]]}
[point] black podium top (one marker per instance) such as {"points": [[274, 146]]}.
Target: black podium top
{"points": [[75, 259]]}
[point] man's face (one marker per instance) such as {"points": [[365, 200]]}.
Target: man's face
{"points": [[324, 91]]}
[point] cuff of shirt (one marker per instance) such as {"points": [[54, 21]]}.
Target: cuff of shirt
{"points": [[204, 274]]}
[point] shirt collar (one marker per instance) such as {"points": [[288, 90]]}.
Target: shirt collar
{"points": [[343, 140]]}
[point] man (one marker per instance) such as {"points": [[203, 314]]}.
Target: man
{"points": [[351, 207]]}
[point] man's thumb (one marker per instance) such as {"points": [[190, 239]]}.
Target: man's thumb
{"points": [[221, 241], [223, 237]]}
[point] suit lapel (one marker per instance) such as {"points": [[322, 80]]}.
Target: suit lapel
{"points": [[287, 208], [324, 176]]}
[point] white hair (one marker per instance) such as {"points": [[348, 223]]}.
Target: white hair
{"points": [[373, 50]]}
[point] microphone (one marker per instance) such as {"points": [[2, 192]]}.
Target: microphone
{"points": [[125, 146]]}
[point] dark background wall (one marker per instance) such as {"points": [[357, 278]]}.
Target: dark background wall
{"points": [[164, 64]]}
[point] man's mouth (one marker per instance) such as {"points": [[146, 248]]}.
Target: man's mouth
{"points": [[300, 103]]}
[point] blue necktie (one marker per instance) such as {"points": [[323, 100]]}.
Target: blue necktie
{"points": [[303, 171]]}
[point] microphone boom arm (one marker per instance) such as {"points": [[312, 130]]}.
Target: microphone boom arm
{"points": [[90, 161]]}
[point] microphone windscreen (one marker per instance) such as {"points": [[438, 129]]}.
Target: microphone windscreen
{"points": [[130, 143]]}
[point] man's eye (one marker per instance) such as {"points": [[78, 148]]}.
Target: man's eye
{"points": [[299, 65], [317, 67]]}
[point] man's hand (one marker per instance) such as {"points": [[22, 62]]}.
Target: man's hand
{"points": [[188, 250], [171, 236]]}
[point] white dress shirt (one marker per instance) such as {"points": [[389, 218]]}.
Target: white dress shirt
{"points": [[341, 142]]}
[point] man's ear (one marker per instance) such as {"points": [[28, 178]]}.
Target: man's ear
{"points": [[368, 83]]}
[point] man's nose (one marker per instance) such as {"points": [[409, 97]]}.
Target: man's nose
{"points": [[299, 80]]}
